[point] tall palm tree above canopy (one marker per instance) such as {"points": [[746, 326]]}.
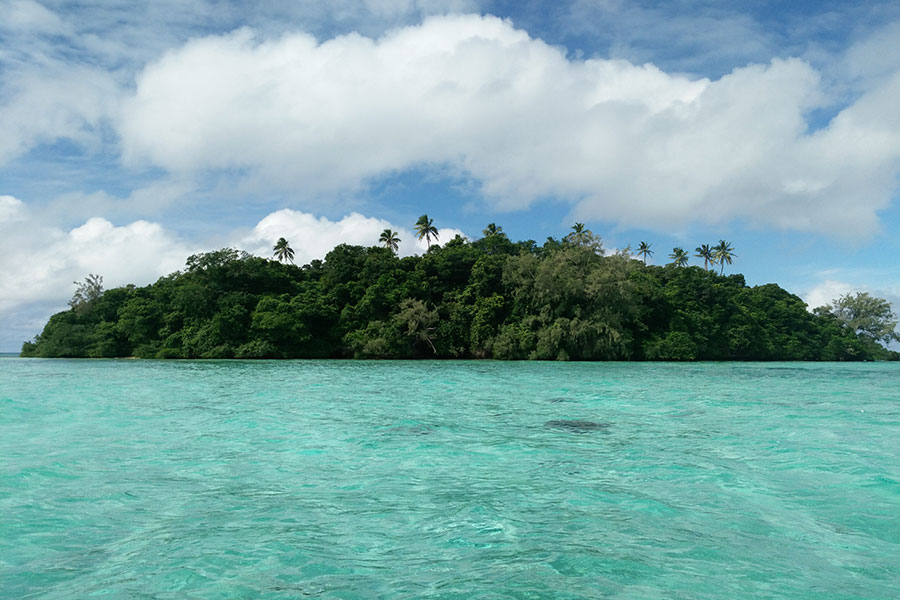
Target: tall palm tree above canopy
{"points": [[283, 251], [644, 250], [679, 257], [579, 234], [723, 253], [492, 229], [706, 253], [425, 229], [390, 240]]}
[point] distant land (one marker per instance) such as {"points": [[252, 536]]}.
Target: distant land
{"points": [[489, 298]]}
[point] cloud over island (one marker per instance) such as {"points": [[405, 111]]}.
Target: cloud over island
{"points": [[622, 142]]}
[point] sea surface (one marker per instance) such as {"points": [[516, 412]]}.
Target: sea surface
{"points": [[331, 479]]}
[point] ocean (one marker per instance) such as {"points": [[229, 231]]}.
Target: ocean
{"points": [[480, 479]]}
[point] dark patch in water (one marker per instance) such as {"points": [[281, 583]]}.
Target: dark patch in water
{"points": [[576, 426], [411, 430], [558, 400]]}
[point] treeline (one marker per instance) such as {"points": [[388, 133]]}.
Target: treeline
{"points": [[489, 298]]}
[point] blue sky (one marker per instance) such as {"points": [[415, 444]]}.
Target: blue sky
{"points": [[131, 137]]}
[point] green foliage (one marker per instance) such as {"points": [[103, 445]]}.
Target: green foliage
{"points": [[425, 229], [644, 251], [283, 251], [707, 254], [679, 257], [868, 317], [582, 237], [489, 298], [86, 293], [390, 240], [723, 254]]}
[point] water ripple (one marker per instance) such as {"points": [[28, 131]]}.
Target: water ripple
{"points": [[214, 479]]}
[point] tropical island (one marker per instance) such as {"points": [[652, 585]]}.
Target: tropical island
{"points": [[566, 299]]}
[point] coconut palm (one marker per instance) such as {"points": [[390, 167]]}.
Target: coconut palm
{"points": [[390, 240], [425, 229], [679, 257], [579, 234], [723, 253], [644, 250], [283, 251], [492, 229], [706, 253]]}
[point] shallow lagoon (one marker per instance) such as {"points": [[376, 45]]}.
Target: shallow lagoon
{"points": [[146, 479]]}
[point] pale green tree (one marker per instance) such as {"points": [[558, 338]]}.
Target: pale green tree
{"points": [[86, 293], [866, 315]]}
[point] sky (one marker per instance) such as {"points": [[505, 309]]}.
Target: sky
{"points": [[133, 135]]}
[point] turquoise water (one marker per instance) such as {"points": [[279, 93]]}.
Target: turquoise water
{"points": [[145, 479]]}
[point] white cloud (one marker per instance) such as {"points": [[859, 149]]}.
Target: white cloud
{"points": [[875, 57], [826, 291], [622, 142], [50, 101], [445, 234], [39, 262], [829, 290], [30, 16], [313, 237], [11, 210], [63, 67]]}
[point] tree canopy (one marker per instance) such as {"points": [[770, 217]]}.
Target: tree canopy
{"points": [[868, 317], [486, 298]]}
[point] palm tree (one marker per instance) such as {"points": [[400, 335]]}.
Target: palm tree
{"points": [[492, 229], [390, 240], [426, 229], [679, 257], [706, 253], [579, 234], [644, 250], [723, 253], [283, 251]]}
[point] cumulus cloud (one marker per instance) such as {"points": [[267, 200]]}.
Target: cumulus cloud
{"points": [[622, 142], [39, 262], [826, 291], [831, 289], [64, 65], [313, 237]]}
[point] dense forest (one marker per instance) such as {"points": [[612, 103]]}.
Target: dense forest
{"points": [[488, 298]]}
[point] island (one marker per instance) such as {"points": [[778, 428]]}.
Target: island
{"points": [[566, 299]]}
